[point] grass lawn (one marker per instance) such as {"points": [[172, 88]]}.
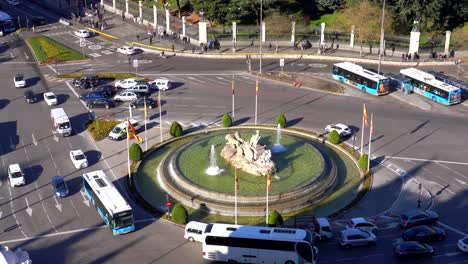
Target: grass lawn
{"points": [[99, 129], [328, 19], [49, 50]]}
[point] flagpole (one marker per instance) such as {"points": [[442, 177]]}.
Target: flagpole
{"points": [[233, 114], [128, 150], [362, 128], [130, 111], [146, 137], [160, 115], [235, 195], [256, 99], [370, 141], [268, 187]]}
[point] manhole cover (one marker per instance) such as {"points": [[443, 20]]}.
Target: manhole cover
{"points": [[94, 47]]}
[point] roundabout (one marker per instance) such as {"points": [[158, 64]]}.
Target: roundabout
{"points": [[310, 175]]}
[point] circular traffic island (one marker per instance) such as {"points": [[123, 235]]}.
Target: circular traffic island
{"points": [[195, 171]]}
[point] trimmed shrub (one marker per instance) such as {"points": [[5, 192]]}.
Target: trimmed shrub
{"points": [[135, 152], [334, 137], [275, 219], [179, 214], [227, 120], [99, 129], [281, 119], [362, 162], [176, 129]]}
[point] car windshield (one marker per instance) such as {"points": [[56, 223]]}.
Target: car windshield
{"points": [[80, 157], [50, 96], [18, 78], [123, 219], [60, 185], [17, 174], [64, 125], [465, 240], [116, 130]]}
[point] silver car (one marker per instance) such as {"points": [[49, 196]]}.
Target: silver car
{"points": [[355, 237]]}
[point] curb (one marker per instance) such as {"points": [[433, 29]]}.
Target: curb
{"points": [[102, 33]]}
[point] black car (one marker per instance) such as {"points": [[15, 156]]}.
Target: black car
{"points": [[93, 96], [408, 249], [424, 234], [60, 186], [86, 81], [418, 217], [140, 102], [101, 103], [30, 97], [106, 89]]}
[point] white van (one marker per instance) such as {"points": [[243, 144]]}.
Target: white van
{"points": [[161, 84], [61, 122], [194, 231], [16, 175]]}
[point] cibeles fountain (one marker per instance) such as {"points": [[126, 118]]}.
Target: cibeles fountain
{"points": [[248, 156], [213, 169]]}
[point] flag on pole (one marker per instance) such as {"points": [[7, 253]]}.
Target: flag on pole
{"points": [[256, 87], [364, 115], [132, 133], [232, 87], [158, 101], [237, 182], [269, 182], [371, 129], [146, 112]]}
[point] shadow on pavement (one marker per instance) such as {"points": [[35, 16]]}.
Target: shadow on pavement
{"points": [[4, 103], [93, 157], [294, 121]]}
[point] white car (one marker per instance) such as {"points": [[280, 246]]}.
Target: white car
{"points": [[126, 96], [362, 224], [342, 129], [463, 244], [78, 158], [19, 80], [13, 2], [161, 84], [126, 83], [16, 175], [50, 98], [120, 131], [127, 50], [82, 33]]}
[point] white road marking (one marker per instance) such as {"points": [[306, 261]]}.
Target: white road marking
{"points": [[196, 80], [1, 214], [14, 215], [57, 204], [34, 140], [445, 188], [448, 254], [424, 169], [28, 209], [74, 208], [460, 181], [52, 68], [11, 54], [76, 94], [453, 229], [26, 55], [452, 170], [437, 161], [85, 199]]}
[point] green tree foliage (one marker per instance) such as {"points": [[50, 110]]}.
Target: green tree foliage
{"points": [[227, 120], [278, 26], [179, 214], [362, 162], [135, 152], [328, 6], [176, 129], [275, 219], [334, 137], [281, 120]]}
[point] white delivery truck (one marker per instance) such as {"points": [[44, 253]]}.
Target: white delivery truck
{"points": [[61, 122]]}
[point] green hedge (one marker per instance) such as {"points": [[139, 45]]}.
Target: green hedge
{"points": [[281, 120], [176, 129], [179, 214], [334, 137], [136, 154], [363, 161], [100, 129], [275, 219], [49, 50], [227, 120]]}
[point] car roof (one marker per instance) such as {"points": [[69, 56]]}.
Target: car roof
{"points": [[76, 151], [413, 213], [359, 220], [124, 123], [56, 179], [14, 167], [340, 125], [49, 93], [352, 231], [19, 75], [197, 225]]}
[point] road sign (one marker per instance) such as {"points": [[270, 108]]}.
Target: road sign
{"points": [[282, 62], [82, 42], [135, 63]]}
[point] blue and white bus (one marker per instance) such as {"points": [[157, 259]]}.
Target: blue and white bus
{"points": [[109, 203], [363, 79], [427, 85], [7, 24], [255, 244]]}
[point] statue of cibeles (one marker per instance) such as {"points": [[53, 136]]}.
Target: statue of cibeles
{"points": [[248, 156]]}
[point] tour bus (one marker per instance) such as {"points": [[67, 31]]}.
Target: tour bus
{"points": [[357, 76], [7, 24], [255, 244], [427, 85], [109, 203]]}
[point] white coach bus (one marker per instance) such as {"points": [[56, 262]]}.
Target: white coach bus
{"points": [[255, 244]]}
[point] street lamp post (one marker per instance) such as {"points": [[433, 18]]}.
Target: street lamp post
{"points": [[261, 32], [381, 50]]}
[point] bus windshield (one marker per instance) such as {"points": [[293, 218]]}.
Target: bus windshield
{"points": [[123, 219]]}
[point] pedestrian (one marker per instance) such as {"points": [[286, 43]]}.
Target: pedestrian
{"points": [[151, 40], [172, 48], [337, 46], [251, 43], [138, 37], [269, 46], [193, 50], [409, 56], [393, 50], [123, 16], [33, 29]]}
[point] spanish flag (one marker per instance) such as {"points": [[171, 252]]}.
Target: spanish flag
{"points": [[256, 87], [159, 101], [146, 112], [232, 87], [269, 182], [132, 133], [236, 179], [364, 116]]}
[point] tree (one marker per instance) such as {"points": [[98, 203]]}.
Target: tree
{"points": [[328, 6], [281, 120], [278, 25], [227, 120], [366, 17], [334, 137], [135, 152], [275, 219], [363, 161], [179, 214], [176, 129]]}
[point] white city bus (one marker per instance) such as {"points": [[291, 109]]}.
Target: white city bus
{"points": [[109, 203], [255, 244], [363, 79]]}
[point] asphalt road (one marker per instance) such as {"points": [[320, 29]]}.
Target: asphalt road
{"points": [[409, 144]]}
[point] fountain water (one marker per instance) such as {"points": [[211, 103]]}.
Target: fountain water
{"points": [[213, 169], [277, 147]]}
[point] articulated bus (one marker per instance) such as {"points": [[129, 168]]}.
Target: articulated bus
{"points": [[7, 24], [427, 85], [357, 76], [254, 244], [111, 206]]}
